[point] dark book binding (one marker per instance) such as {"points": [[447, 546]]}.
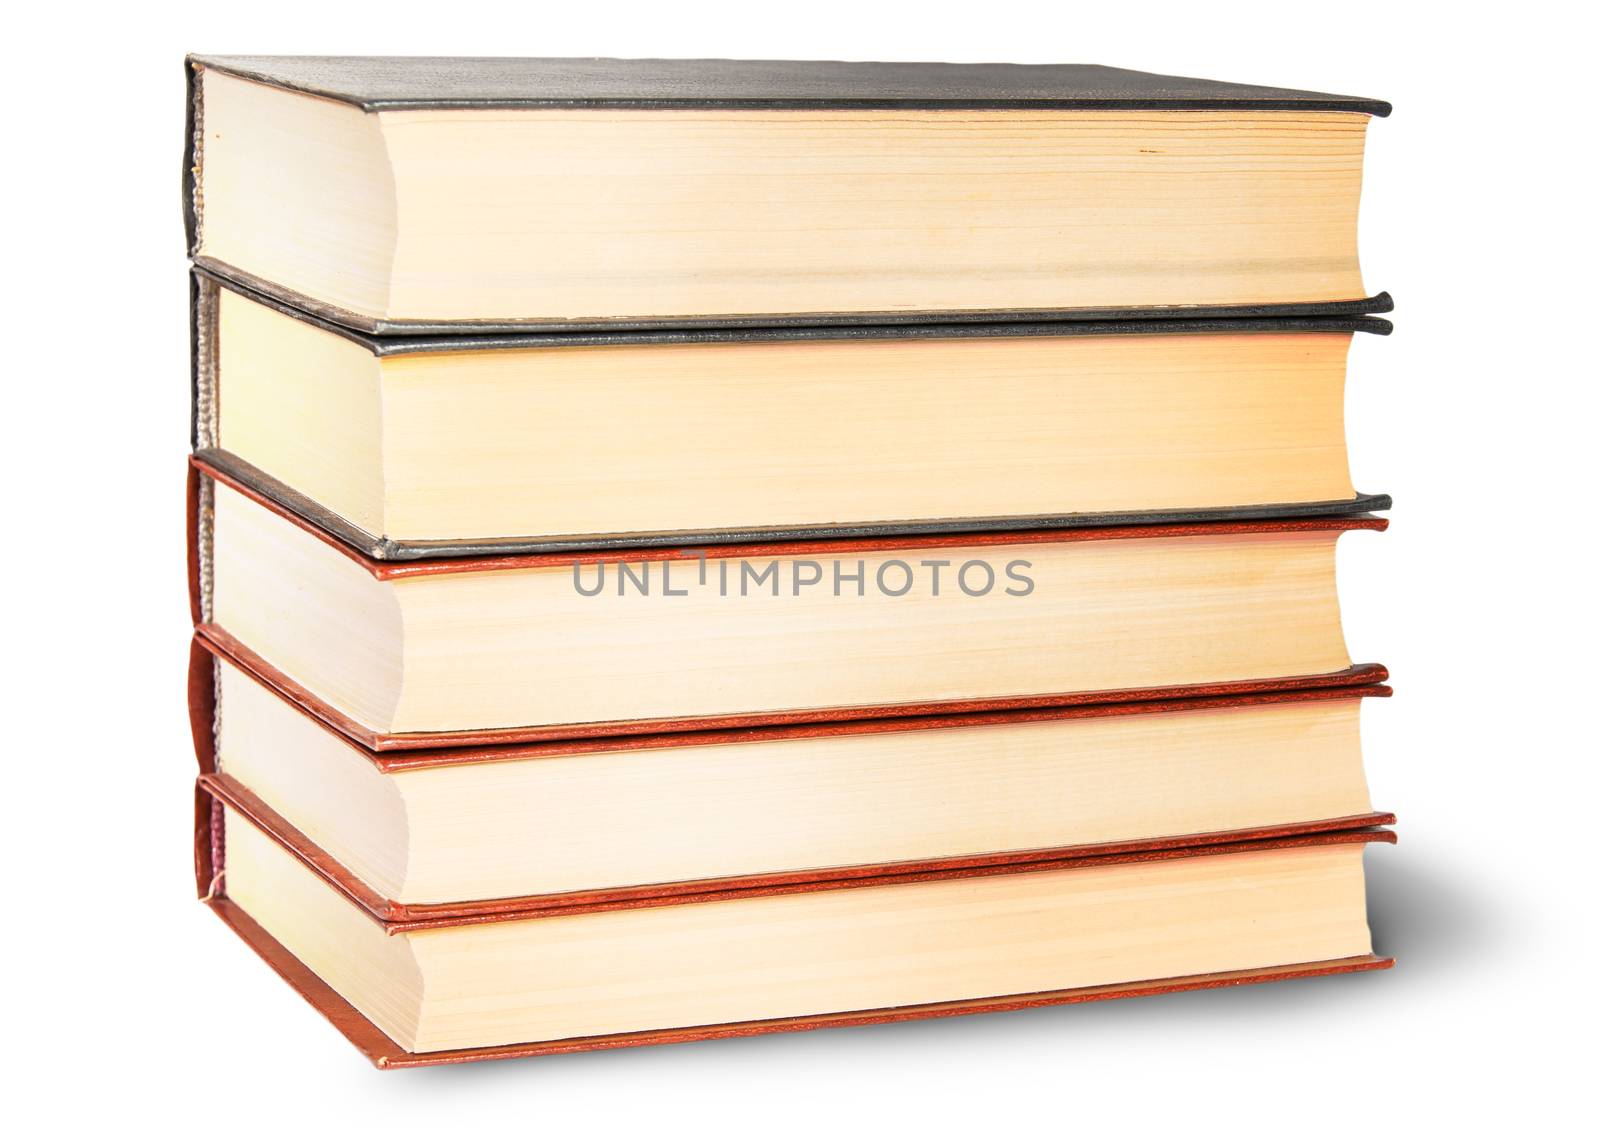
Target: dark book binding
{"points": [[377, 84], [1300, 318], [204, 397]]}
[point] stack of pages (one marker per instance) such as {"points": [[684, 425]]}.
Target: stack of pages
{"points": [[683, 549]]}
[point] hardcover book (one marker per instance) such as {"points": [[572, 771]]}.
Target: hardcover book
{"points": [[430, 447], [504, 649], [415, 195], [753, 960], [598, 819]]}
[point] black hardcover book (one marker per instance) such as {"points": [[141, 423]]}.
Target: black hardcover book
{"points": [[448, 196], [449, 446]]}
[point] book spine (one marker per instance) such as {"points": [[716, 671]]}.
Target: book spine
{"points": [[198, 517], [193, 142], [202, 689], [202, 363]]}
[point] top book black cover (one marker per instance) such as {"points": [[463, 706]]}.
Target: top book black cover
{"points": [[376, 83]]}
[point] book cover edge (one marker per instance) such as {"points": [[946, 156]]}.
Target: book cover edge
{"points": [[396, 916], [466, 333], [213, 638], [1353, 317], [1362, 681], [388, 558], [1267, 98]]}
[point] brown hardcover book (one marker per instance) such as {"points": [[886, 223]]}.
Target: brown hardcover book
{"points": [[486, 982], [415, 834], [546, 646], [677, 193]]}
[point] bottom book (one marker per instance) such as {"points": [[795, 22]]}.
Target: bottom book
{"points": [[755, 960]]}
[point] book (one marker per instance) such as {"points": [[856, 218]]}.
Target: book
{"points": [[420, 195], [551, 646], [411, 447], [793, 957], [597, 819]]}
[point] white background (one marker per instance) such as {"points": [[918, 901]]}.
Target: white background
{"points": [[130, 1004]]}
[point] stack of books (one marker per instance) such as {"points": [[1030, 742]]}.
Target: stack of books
{"points": [[684, 549]]}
